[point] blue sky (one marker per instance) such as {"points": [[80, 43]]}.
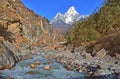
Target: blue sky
{"points": [[49, 8]]}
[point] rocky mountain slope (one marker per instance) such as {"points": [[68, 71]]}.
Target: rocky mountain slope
{"points": [[100, 30], [21, 30], [63, 21]]}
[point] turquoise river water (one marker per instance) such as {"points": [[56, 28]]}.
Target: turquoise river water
{"points": [[22, 69]]}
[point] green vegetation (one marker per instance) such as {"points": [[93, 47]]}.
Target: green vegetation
{"points": [[99, 23]]}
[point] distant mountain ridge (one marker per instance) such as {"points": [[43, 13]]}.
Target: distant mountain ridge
{"points": [[64, 21]]}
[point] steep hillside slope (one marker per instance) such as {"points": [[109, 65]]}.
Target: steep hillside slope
{"points": [[101, 28], [21, 30]]}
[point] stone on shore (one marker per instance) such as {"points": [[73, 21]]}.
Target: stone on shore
{"points": [[117, 56], [68, 67], [101, 53]]}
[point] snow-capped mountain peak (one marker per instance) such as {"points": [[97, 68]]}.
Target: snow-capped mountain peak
{"points": [[71, 11], [63, 21], [68, 18], [72, 8], [71, 15]]}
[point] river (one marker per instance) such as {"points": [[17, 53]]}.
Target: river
{"points": [[23, 71]]}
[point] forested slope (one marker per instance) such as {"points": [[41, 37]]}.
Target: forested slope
{"points": [[101, 29]]}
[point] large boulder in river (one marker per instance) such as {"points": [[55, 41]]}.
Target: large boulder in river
{"points": [[33, 65]]}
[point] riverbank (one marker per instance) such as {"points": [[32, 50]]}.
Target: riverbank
{"points": [[98, 66]]}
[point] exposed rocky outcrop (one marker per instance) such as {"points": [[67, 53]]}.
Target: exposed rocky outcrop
{"points": [[21, 30]]}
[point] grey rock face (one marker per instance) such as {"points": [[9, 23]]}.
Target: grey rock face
{"points": [[11, 55], [7, 56]]}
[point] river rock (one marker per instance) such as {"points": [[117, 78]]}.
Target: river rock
{"points": [[103, 72], [58, 59], [33, 65], [101, 53], [79, 49], [117, 56], [80, 70], [37, 62], [87, 55], [47, 67], [89, 74], [68, 67]]}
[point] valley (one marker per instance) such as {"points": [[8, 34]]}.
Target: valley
{"points": [[71, 46]]}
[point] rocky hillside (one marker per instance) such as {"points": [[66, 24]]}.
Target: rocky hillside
{"points": [[100, 30], [21, 30]]}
